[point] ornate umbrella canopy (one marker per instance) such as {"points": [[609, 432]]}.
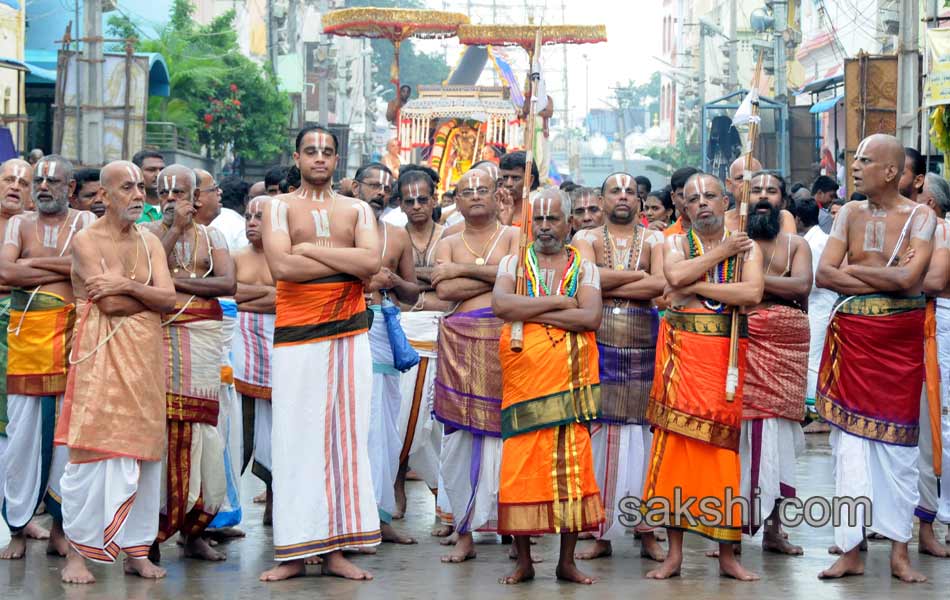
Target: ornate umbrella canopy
{"points": [[393, 24], [523, 35]]}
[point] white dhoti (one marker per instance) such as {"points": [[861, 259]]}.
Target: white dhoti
{"points": [[323, 488], [621, 454], [263, 422], [886, 475], [471, 472], [33, 465], [943, 356], [206, 477], [420, 433], [926, 509], [768, 451], [252, 354], [230, 423], [111, 506], [385, 442]]}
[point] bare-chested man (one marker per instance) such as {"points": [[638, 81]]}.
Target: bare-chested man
{"points": [[630, 261], [35, 261], [202, 270], [737, 175], [420, 434], [113, 418], [253, 348], [695, 453], [320, 246], [373, 185], [869, 383], [468, 382], [773, 402]]}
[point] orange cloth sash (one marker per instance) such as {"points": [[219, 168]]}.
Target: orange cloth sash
{"points": [[932, 383], [115, 396], [39, 337], [689, 385], [319, 310]]}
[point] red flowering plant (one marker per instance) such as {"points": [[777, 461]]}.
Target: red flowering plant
{"points": [[222, 120]]}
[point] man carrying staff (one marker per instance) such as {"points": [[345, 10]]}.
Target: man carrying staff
{"points": [[549, 392], [773, 401], [630, 258], [871, 369], [114, 426], [253, 348], [695, 453], [323, 490], [35, 261], [420, 433], [373, 185], [202, 271], [468, 381]]}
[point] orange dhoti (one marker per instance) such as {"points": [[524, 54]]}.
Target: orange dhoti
{"points": [[551, 390], [692, 480]]}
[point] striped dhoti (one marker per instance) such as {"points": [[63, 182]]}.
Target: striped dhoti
{"points": [[420, 433], [253, 350]]}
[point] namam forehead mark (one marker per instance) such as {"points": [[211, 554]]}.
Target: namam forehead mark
{"points": [[46, 168], [256, 205], [491, 169], [586, 199], [861, 152], [769, 180], [169, 181], [323, 141], [18, 169], [414, 191], [622, 180]]}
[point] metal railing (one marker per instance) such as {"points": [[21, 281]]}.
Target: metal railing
{"points": [[164, 135]]}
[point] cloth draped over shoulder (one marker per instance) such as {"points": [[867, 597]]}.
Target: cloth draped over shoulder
{"points": [[41, 328], [193, 371], [872, 368], [114, 404], [777, 370], [468, 376], [689, 387], [320, 310]]}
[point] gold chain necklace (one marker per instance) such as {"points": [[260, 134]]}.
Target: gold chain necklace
{"points": [[480, 258], [135, 263]]}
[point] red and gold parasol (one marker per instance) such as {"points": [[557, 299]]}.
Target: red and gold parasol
{"points": [[393, 24]]}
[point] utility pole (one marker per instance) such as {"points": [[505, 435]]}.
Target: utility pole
{"points": [[271, 36], [701, 84], [780, 10], [323, 87], [908, 73], [733, 77], [91, 112]]}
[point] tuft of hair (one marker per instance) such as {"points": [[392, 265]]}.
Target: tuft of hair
{"points": [[84, 176], [274, 175]]}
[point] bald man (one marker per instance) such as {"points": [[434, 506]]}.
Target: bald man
{"points": [[202, 270], [114, 427], [869, 383], [258, 188], [734, 187]]}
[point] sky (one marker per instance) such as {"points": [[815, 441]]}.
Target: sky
{"points": [[633, 39]]}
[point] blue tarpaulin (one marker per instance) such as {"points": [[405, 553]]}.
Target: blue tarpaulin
{"points": [[825, 105]]}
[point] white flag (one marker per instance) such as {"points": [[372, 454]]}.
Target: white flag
{"points": [[744, 114], [541, 95]]}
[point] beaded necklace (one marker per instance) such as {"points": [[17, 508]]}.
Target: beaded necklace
{"points": [[536, 286], [721, 273]]}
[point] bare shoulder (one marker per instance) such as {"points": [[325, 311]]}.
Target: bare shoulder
{"points": [[149, 236], [153, 227]]}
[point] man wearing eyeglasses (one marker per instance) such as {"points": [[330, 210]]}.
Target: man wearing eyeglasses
{"points": [[396, 277]]}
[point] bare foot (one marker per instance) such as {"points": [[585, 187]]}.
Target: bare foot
{"points": [[650, 548], [57, 545], [669, 568], [900, 565], [715, 553], [198, 547], [513, 554], [75, 570], [522, 573], [928, 544], [730, 567], [285, 570], [780, 545], [399, 488], [585, 535], [451, 540], [442, 531], [313, 560], [367, 550], [834, 549], [15, 549], [464, 549], [337, 565], [34, 532], [849, 564], [260, 498], [660, 535], [599, 549], [224, 534], [570, 572], [394, 537], [144, 568]]}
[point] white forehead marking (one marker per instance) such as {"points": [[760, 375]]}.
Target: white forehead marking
{"points": [[414, 191], [50, 168], [385, 178], [621, 180], [323, 141], [770, 180], [546, 207], [476, 181], [173, 183], [861, 148], [166, 181], [131, 173], [702, 186], [18, 171]]}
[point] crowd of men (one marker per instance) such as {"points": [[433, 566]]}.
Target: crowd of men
{"points": [[588, 362]]}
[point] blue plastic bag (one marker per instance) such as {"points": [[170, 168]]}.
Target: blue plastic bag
{"points": [[405, 356]]}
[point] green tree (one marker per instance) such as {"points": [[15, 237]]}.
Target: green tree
{"points": [[645, 95], [204, 65]]}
